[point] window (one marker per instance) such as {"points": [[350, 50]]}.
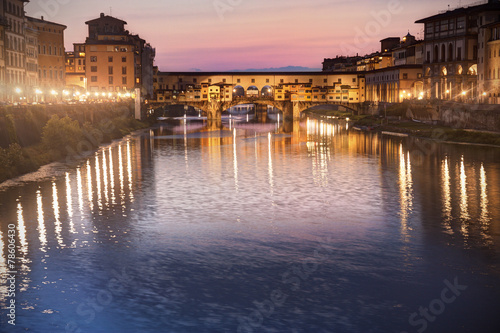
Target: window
{"points": [[209, 80], [267, 80], [110, 59], [281, 81], [253, 80], [224, 80], [310, 80], [93, 79], [124, 59], [325, 80], [110, 79], [296, 80], [195, 80], [93, 69], [92, 58], [110, 70], [354, 79], [124, 80], [405, 76], [124, 71], [459, 53]]}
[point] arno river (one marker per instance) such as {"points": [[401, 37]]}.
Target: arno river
{"points": [[304, 227]]}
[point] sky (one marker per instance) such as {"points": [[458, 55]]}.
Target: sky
{"points": [[223, 35]]}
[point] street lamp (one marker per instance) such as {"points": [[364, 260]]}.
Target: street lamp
{"points": [[38, 92]]}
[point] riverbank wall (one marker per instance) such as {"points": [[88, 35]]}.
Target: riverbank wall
{"points": [[485, 117]]}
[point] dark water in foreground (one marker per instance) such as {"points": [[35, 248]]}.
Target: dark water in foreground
{"points": [[258, 228]]}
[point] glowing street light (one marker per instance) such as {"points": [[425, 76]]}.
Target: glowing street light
{"points": [[53, 92], [18, 90], [464, 93]]}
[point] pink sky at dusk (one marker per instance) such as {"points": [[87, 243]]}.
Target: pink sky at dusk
{"points": [[218, 35]]}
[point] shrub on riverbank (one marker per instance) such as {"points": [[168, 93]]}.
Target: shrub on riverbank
{"points": [[61, 135], [59, 138], [13, 162]]}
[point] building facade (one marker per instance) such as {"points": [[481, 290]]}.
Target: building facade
{"points": [[489, 58], [451, 52], [115, 60], [51, 58], [13, 11], [3, 27], [394, 84], [31, 42], [75, 68], [339, 87]]}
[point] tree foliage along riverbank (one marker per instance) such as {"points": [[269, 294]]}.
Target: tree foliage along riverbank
{"points": [[34, 136]]}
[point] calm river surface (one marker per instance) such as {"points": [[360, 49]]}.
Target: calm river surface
{"points": [[304, 227]]}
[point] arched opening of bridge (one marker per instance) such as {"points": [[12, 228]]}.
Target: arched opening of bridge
{"points": [[252, 91], [180, 110], [238, 91], [240, 109], [267, 91]]}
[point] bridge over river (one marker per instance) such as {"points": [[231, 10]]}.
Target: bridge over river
{"points": [[291, 92]]}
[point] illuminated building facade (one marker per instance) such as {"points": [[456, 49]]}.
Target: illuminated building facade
{"points": [[454, 50], [115, 60], [51, 54]]}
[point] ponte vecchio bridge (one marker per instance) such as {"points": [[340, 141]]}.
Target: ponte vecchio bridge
{"points": [[291, 92]]}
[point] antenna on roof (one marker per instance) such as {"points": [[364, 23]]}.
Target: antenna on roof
{"points": [[110, 11]]}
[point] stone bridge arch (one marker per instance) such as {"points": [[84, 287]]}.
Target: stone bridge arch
{"points": [[213, 109]]}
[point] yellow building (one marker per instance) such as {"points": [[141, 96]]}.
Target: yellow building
{"points": [[75, 68], [117, 61], [51, 55], [110, 68], [489, 69]]}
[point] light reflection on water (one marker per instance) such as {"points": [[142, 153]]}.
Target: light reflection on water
{"points": [[214, 217]]}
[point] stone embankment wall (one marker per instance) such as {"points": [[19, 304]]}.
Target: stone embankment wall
{"points": [[457, 115]]}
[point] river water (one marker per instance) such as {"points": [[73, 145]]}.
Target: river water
{"points": [[257, 227]]}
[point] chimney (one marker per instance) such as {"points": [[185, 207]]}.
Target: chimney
{"points": [[42, 17], [102, 14]]}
